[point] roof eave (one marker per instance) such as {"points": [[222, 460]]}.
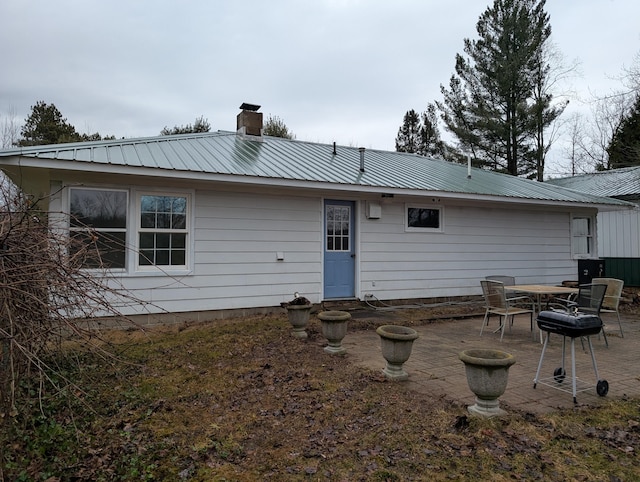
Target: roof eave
{"points": [[245, 179]]}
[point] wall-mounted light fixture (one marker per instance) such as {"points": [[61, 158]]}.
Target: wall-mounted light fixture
{"points": [[387, 198]]}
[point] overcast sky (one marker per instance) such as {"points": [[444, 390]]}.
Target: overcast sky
{"points": [[332, 70]]}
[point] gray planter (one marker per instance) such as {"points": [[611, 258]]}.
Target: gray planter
{"points": [[396, 343], [299, 318], [334, 329], [487, 375]]}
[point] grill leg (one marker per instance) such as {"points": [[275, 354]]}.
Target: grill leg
{"points": [[573, 368], [593, 359], [544, 347]]}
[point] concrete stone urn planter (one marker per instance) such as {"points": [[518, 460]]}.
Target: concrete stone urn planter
{"points": [[487, 375], [298, 311], [334, 329], [299, 318], [397, 343]]}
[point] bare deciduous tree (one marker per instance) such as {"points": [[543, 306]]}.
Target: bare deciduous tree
{"points": [[576, 150], [10, 130]]}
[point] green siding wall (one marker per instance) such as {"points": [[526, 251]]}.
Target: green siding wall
{"points": [[627, 269]]}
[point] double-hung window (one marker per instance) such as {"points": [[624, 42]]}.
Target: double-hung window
{"points": [[98, 221], [141, 234], [162, 230], [582, 236]]}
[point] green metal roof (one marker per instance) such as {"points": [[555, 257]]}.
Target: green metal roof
{"points": [[620, 183], [284, 161]]}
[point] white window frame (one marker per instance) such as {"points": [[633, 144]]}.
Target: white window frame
{"points": [[432, 207], [590, 237], [137, 229], [126, 229]]}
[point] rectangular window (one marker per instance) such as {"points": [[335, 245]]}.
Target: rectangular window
{"points": [[338, 220], [98, 222], [582, 234], [419, 218], [162, 232]]}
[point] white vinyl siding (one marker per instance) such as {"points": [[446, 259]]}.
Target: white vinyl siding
{"points": [[533, 246], [256, 249], [237, 239]]}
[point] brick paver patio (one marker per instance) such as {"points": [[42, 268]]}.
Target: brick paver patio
{"points": [[435, 369]]}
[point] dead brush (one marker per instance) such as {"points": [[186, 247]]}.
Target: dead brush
{"points": [[47, 298]]}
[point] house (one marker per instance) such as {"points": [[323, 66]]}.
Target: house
{"points": [[618, 231], [199, 223]]}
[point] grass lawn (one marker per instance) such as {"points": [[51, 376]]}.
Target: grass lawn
{"points": [[242, 400]]}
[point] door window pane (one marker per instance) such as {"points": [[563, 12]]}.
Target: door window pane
{"points": [[337, 222]]}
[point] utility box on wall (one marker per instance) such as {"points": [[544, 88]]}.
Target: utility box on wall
{"points": [[589, 269], [373, 210]]}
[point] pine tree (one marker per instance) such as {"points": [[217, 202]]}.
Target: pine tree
{"points": [[408, 138], [431, 145], [275, 127], [45, 125], [200, 125], [624, 148], [419, 134], [492, 106]]}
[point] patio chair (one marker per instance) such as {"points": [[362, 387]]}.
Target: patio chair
{"points": [[497, 303], [506, 280], [589, 300], [511, 281], [611, 297]]}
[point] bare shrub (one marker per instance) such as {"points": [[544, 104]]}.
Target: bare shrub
{"points": [[46, 298]]}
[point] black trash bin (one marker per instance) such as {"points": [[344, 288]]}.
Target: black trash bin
{"points": [[589, 269]]}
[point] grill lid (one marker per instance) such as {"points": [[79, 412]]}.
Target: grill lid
{"points": [[569, 324]]}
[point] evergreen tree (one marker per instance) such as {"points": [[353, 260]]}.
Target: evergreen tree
{"points": [[275, 127], [492, 106], [408, 138], [419, 134], [200, 125], [431, 144], [624, 148], [45, 125]]}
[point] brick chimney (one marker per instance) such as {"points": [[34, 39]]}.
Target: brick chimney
{"points": [[249, 120]]}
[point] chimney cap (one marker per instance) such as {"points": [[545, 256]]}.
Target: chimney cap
{"points": [[251, 107]]}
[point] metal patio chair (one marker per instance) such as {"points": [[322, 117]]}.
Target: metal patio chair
{"points": [[589, 300], [611, 297], [511, 281], [504, 279], [497, 303]]}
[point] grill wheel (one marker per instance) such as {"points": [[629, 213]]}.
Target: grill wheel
{"points": [[602, 387]]}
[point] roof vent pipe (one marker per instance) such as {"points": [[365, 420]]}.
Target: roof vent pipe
{"points": [[334, 148], [361, 149], [468, 166]]}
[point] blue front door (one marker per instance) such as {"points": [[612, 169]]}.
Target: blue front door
{"points": [[339, 249]]}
